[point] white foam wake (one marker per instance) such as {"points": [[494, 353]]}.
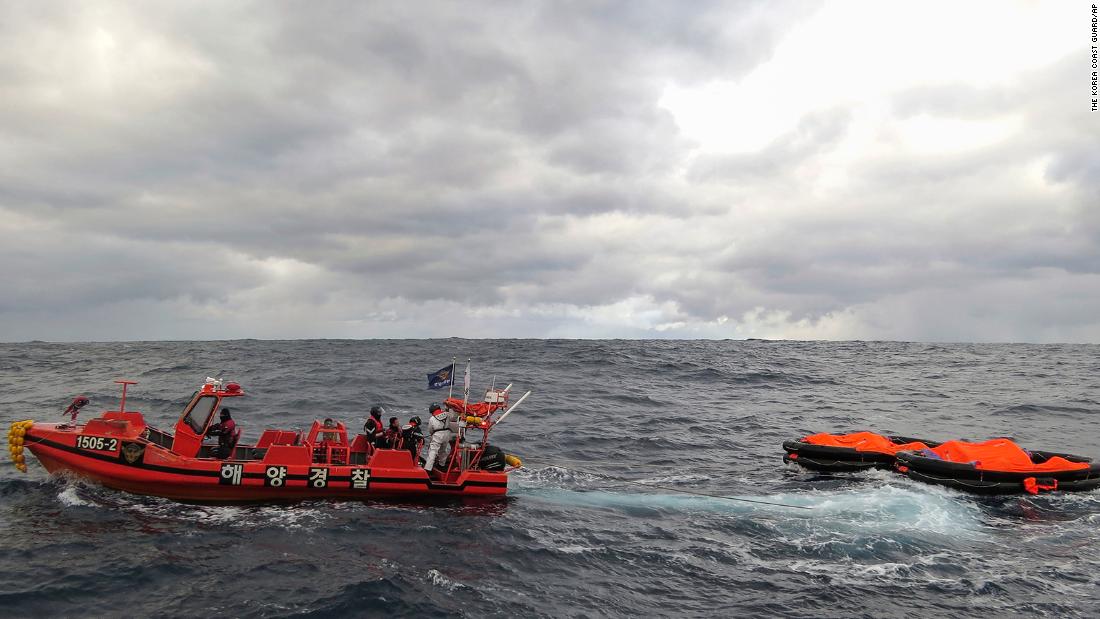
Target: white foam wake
{"points": [[858, 509]]}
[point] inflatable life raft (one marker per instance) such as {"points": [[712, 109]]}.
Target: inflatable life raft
{"points": [[998, 466], [849, 452]]}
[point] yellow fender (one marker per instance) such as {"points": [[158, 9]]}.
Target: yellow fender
{"points": [[16, 441]]}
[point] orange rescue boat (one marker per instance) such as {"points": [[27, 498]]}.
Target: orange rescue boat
{"points": [[121, 451]]}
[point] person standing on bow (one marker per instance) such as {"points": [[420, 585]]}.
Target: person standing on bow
{"points": [[374, 428], [439, 428]]}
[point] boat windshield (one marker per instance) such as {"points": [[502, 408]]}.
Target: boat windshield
{"points": [[200, 413]]}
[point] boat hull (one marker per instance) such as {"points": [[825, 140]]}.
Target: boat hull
{"points": [[141, 467]]}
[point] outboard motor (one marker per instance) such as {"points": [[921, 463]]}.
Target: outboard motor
{"points": [[492, 459]]}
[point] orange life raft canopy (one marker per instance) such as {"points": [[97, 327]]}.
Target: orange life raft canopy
{"points": [[849, 452], [998, 466]]}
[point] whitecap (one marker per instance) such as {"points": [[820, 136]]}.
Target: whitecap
{"points": [[70, 498], [439, 580]]}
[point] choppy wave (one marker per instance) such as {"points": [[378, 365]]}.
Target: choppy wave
{"points": [[600, 523]]}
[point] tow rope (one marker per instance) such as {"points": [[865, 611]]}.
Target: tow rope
{"points": [[679, 490]]}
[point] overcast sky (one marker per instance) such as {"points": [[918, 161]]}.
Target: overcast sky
{"points": [[208, 170]]}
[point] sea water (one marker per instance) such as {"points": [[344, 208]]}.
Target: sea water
{"points": [[602, 521]]}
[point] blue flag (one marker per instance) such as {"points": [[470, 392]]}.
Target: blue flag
{"points": [[442, 378]]}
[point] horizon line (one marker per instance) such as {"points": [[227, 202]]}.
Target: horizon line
{"points": [[565, 339]]}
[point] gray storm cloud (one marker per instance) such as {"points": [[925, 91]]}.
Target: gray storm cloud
{"points": [[193, 171]]}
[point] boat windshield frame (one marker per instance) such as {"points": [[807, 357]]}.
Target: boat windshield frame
{"points": [[190, 421]]}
